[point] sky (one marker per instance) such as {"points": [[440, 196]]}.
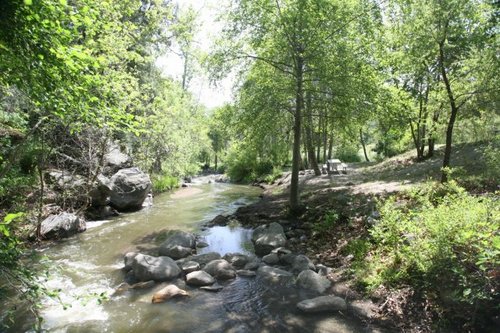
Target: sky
{"points": [[172, 64]]}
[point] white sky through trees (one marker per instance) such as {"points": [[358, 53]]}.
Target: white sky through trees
{"points": [[172, 64]]}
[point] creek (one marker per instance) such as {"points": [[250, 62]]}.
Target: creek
{"points": [[89, 265]]}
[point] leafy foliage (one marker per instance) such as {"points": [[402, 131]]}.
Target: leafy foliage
{"points": [[440, 240]]}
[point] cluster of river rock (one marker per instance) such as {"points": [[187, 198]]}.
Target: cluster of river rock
{"points": [[273, 263], [119, 187]]}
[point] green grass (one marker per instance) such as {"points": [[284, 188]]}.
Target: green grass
{"points": [[163, 183]]}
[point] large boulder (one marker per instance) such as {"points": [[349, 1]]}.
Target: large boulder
{"points": [[268, 238], [323, 304], [175, 252], [178, 246], [115, 160], [237, 260], [61, 226], [129, 187], [147, 268], [64, 180], [274, 275], [100, 192], [313, 281], [180, 238], [220, 269], [199, 278]]}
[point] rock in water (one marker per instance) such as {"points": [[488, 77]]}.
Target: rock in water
{"points": [[274, 275], [167, 293], [322, 304], [190, 266], [237, 260], [199, 278], [271, 259], [129, 187], [147, 268], [180, 238], [61, 225], [175, 252], [212, 288], [313, 281], [220, 269], [178, 245], [268, 238], [205, 258]]}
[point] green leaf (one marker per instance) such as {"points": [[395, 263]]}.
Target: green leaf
{"points": [[10, 217], [28, 2]]}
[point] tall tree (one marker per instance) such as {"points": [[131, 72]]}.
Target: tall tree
{"points": [[294, 38]]}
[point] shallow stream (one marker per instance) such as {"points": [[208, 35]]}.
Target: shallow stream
{"points": [[89, 264]]}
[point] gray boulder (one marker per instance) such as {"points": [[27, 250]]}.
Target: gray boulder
{"points": [[147, 268], [271, 258], [64, 180], [175, 252], [313, 281], [287, 259], [220, 269], [252, 265], [190, 266], [237, 260], [201, 244], [274, 275], [61, 225], [199, 278], [100, 192], [205, 258], [129, 187], [180, 238], [128, 259], [268, 238], [115, 160], [246, 273], [322, 304], [323, 270], [302, 263]]}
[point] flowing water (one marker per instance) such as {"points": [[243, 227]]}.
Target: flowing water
{"points": [[89, 265]]}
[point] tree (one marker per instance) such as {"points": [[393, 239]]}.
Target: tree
{"points": [[452, 36], [293, 38]]}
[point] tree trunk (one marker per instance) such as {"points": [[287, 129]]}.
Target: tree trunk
{"points": [[362, 139], [215, 161], [185, 71], [309, 137], [325, 139], [330, 147], [299, 101], [431, 140], [453, 115]]}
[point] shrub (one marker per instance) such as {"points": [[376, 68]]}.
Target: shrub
{"points": [[327, 222], [348, 153], [162, 183], [438, 239]]}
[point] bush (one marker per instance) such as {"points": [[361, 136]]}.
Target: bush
{"points": [[327, 222], [492, 159], [162, 183], [440, 240], [348, 153]]}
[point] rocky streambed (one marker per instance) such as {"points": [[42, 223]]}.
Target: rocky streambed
{"points": [[134, 273], [176, 271]]}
